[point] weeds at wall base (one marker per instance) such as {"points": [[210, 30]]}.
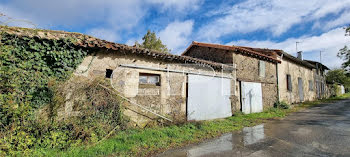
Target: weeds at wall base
{"points": [[145, 142]]}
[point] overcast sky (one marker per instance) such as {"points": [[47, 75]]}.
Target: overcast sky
{"points": [[277, 24]]}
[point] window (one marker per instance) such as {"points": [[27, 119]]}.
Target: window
{"points": [[109, 73], [261, 68], [150, 79], [311, 85], [289, 83]]}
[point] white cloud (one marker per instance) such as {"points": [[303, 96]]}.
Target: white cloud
{"points": [[329, 7], [275, 16], [341, 21], [176, 35], [131, 42], [102, 33], [71, 13], [178, 5], [329, 42]]}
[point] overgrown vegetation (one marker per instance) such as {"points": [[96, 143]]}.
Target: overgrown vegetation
{"points": [[344, 53], [281, 105], [144, 142], [32, 70]]}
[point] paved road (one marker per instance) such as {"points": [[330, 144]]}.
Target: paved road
{"points": [[319, 131]]}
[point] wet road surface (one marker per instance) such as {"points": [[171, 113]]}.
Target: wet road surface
{"points": [[319, 131]]}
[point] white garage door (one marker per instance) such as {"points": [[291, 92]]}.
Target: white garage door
{"points": [[251, 97], [208, 98]]}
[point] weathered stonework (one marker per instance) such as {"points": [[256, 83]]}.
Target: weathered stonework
{"points": [[168, 99], [295, 71], [247, 69]]}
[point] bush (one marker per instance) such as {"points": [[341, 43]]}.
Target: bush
{"points": [[281, 105]]}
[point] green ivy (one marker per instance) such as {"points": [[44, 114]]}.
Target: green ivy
{"points": [[26, 67], [33, 74]]}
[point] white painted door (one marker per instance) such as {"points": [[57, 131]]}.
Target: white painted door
{"points": [[208, 98], [251, 97]]}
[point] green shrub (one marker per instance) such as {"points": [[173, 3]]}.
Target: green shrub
{"points": [[281, 105]]}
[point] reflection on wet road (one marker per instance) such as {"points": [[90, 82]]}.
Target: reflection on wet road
{"points": [[320, 131]]}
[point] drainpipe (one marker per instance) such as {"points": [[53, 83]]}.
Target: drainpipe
{"points": [[278, 88]]}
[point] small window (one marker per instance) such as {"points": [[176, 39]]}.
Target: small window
{"points": [[261, 68], [109, 73], [311, 85], [289, 83], [151, 79]]}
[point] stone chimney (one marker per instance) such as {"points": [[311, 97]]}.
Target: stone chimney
{"points": [[300, 55]]}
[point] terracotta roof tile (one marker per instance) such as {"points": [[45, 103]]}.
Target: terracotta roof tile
{"points": [[92, 42], [236, 49]]}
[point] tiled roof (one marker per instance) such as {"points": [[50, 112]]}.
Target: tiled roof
{"points": [[237, 49], [314, 63], [296, 60], [92, 42], [275, 52]]}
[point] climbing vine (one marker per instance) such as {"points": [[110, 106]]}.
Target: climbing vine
{"points": [[27, 65], [29, 68]]}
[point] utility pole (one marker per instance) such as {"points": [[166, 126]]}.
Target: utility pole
{"points": [[321, 56], [296, 46]]}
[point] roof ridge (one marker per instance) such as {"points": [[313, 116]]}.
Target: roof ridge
{"points": [[233, 48], [93, 42]]}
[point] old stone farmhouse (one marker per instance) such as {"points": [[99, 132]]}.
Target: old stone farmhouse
{"points": [[177, 87], [208, 81], [154, 85], [256, 73], [322, 90], [266, 76]]}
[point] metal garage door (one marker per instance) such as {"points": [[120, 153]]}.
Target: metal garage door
{"points": [[208, 98], [251, 97]]}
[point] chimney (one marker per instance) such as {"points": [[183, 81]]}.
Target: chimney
{"points": [[300, 55]]}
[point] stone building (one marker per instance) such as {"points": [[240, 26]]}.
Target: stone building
{"points": [[154, 85], [320, 79], [176, 87], [256, 73], [296, 79]]}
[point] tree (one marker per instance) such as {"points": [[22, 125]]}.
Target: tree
{"points": [[344, 53], [338, 76], [150, 41]]}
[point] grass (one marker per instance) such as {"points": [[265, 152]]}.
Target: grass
{"points": [[145, 142]]}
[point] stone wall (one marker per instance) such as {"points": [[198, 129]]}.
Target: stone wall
{"points": [[295, 71], [168, 99], [248, 71]]}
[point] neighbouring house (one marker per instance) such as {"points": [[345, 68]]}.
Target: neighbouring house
{"points": [[296, 78], [256, 73], [156, 85], [320, 79], [266, 76]]}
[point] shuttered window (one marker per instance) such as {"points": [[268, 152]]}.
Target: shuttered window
{"points": [[262, 68], [289, 82], [311, 85]]}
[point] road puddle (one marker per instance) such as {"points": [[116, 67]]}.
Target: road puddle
{"points": [[225, 144], [253, 135]]}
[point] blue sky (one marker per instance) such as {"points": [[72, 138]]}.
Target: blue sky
{"points": [[277, 24]]}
